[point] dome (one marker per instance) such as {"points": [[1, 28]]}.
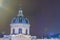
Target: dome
{"points": [[20, 18]]}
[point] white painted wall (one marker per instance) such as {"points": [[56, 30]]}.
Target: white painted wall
{"points": [[22, 26], [20, 37], [1, 38]]}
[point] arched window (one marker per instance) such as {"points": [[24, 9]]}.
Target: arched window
{"points": [[26, 21], [23, 20], [20, 30], [13, 21], [26, 31], [20, 20], [13, 31]]}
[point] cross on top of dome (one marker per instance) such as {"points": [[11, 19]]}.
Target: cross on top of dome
{"points": [[20, 12]]}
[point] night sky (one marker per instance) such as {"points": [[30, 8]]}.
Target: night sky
{"points": [[44, 15]]}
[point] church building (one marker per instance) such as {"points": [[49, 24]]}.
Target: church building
{"points": [[20, 29]]}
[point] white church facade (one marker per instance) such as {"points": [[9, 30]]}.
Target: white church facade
{"points": [[20, 29]]}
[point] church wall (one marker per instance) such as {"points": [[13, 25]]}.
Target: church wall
{"points": [[24, 27], [20, 37], [1, 38], [6, 38]]}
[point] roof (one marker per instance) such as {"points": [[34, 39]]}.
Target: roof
{"points": [[20, 18]]}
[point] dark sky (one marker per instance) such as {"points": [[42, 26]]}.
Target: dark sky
{"points": [[44, 15]]}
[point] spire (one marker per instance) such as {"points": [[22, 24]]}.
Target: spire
{"points": [[20, 12]]}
